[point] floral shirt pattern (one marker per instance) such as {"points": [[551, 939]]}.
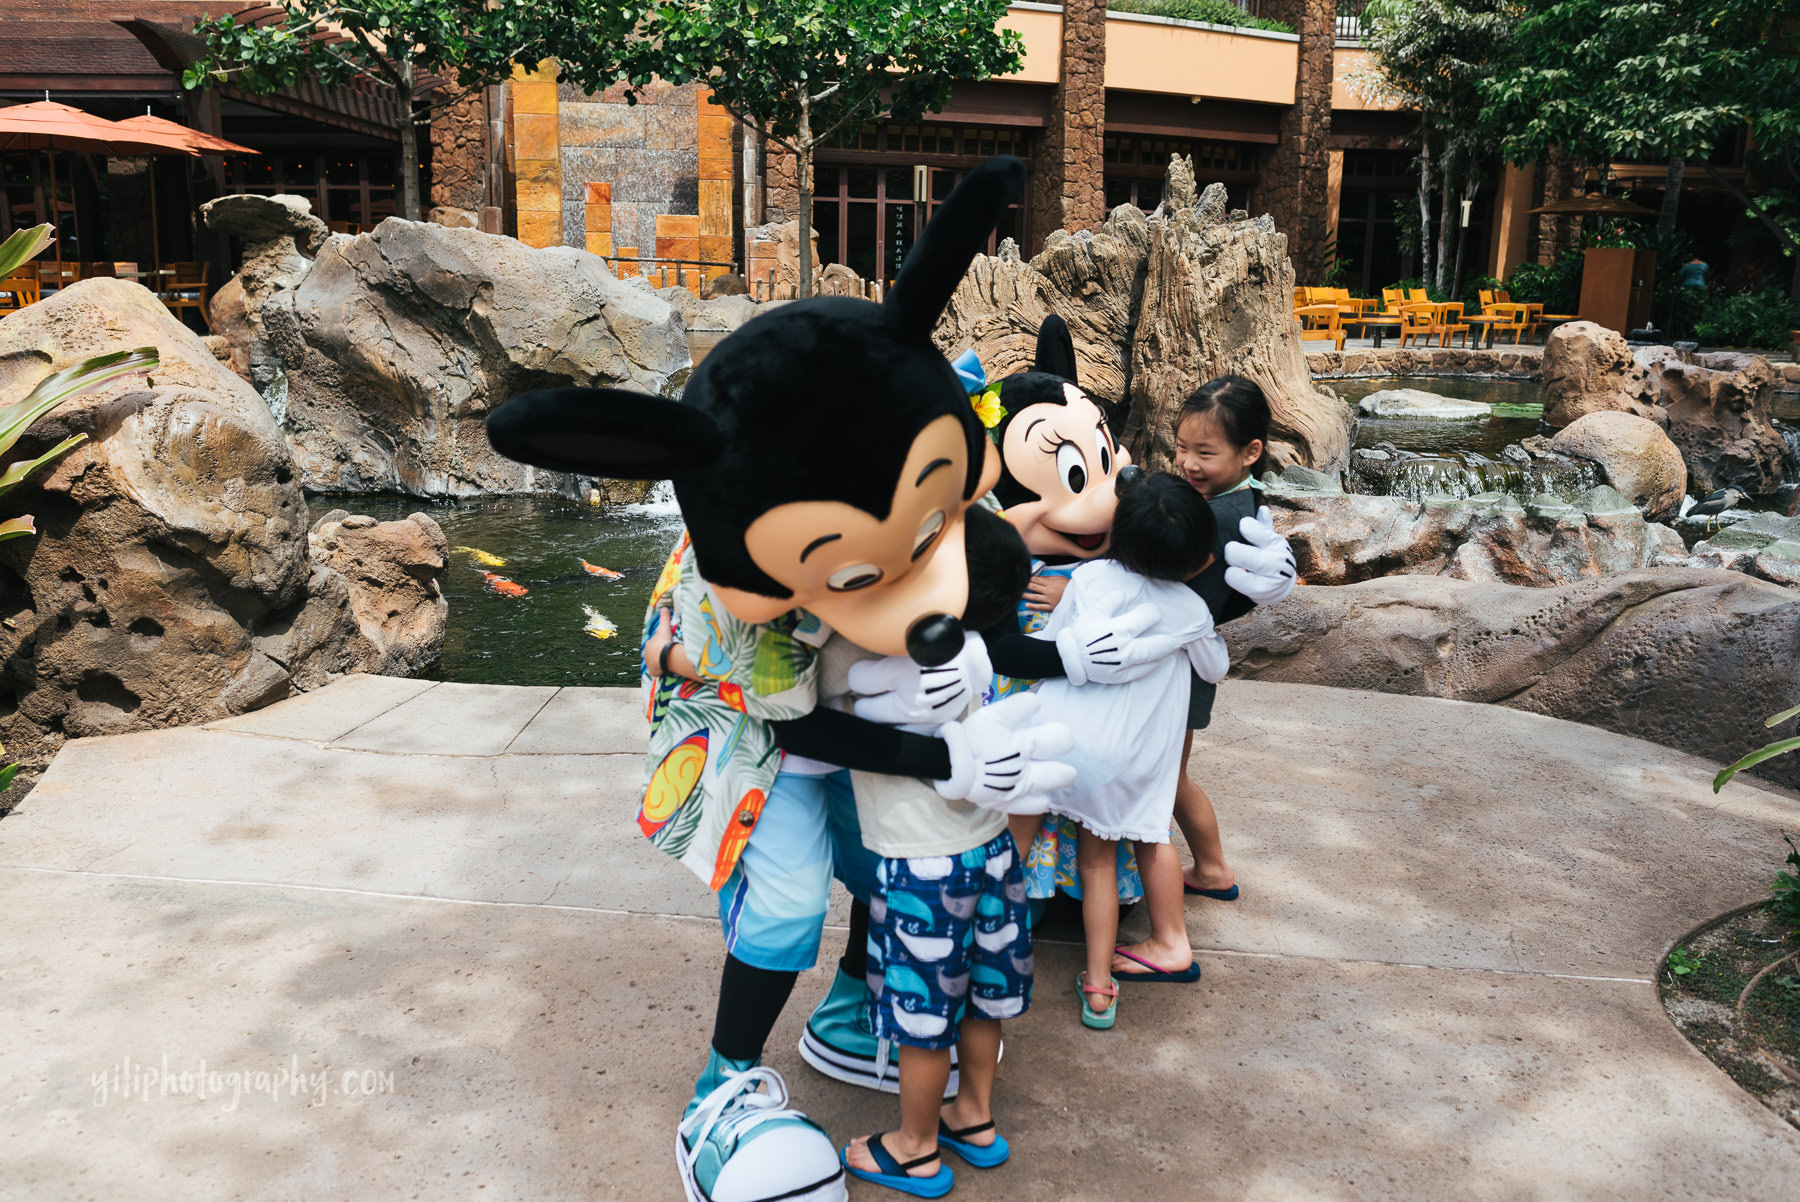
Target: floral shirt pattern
{"points": [[712, 755]]}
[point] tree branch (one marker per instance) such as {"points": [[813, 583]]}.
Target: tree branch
{"points": [[381, 62], [1742, 197]]}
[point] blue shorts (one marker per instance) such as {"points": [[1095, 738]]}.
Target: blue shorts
{"points": [[948, 936], [772, 906]]}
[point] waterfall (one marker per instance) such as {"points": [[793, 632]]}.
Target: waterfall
{"points": [[1462, 474]]}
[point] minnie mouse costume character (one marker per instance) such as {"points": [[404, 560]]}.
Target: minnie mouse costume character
{"points": [[823, 457]]}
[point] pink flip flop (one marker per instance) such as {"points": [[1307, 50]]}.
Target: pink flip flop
{"points": [[1186, 976]]}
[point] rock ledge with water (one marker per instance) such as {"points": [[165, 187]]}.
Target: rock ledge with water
{"points": [[1415, 404]]}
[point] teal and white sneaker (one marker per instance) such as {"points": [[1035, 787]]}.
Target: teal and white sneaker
{"points": [[739, 1141], [839, 1043]]}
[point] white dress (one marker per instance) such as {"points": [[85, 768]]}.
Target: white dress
{"points": [[1128, 736]]}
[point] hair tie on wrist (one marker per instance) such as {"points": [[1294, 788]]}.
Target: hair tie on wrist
{"points": [[663, 660]]}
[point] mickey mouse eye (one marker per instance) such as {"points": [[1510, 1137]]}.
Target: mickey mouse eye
{"points": [[848, 580], [929, 529], [1071, 467], [1105, 459]]}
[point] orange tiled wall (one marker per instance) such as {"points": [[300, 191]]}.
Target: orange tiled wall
{"points": [[537, 156]]}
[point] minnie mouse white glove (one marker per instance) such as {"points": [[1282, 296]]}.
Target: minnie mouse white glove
{"points": [[1109, 649], [1264, 570], [997, 758], [897, 691]]}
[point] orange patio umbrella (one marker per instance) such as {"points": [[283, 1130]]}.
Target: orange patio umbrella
{"points": [[194, 140], [47, 125]]}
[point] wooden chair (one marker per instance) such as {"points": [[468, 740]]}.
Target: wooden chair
{"points": [[1392, 299], [1417, 296], [1418, 322], [186, 288], [95, 270], [1450, 322], [19, 289], [1329, 321]]}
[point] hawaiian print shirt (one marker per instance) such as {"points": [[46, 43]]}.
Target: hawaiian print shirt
{"points": [[712, 756]]}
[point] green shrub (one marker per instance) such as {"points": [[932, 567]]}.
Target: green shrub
{"points": [[1754, 319], [1471, 297], [1407, 285], [1557, 287], [1212, 12]]}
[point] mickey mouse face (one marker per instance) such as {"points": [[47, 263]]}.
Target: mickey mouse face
{"points": [[1062, 465]]}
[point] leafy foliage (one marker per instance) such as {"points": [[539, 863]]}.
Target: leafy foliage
{"points": [[1682, 962], [801, 70], [1786, 902], [1212, 12], [1556, 286], [1764, 319], [1779, 747]]}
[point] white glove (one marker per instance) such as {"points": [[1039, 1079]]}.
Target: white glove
{"points": [[897, 691], [997, 758], [1263, 571], [1107, 649]]}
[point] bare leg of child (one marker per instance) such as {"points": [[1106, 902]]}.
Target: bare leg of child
{"points": [[1200, 827], [1024, 828], [1159, 864], [1097, 862], [978, 1053], [924, 1072]]}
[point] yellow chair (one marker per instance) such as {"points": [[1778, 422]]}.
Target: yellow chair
{"points": [[1450, 321], [1418, 322], [1392, 299], [19, 289], [1323, 321]]}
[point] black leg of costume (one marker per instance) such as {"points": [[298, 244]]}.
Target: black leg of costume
{"points": [[855, 960], [750, 1000]]}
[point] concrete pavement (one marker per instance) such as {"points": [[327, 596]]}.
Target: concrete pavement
{"points": [[426, 905]]}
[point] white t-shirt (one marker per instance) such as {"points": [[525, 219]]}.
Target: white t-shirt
{"points": [[1128, 736], [902, 816]]}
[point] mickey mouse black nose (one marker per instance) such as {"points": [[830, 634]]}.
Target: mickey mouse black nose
{"points": [[1129, 475], [934, 640]]}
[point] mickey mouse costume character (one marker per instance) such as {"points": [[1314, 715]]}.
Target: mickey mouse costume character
{"points": [[823, 457], [1060, 469]]}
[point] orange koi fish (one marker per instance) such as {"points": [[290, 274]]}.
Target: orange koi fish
{"points": [[503, 586], [594, 569]]}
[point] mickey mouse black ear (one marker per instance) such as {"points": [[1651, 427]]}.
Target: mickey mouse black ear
{"points": [[604, 432], [948, 243], [1056, 349]]}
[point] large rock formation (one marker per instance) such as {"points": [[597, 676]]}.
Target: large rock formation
{"points": [[398, 343], [1157, 306], [1720, 414], [1590, 369], [171, 580], [1765, 545], [1637, 457], [1341, 538], [280, 237], [1687, 658]]}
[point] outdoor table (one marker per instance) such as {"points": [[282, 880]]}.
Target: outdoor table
{"points": [[1372, 325], [1486, 322]]}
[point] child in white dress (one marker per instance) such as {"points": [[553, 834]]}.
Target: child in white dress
{"points": [[1127, 736]]}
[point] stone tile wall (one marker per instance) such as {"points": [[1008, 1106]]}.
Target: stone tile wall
{"points": [[536, 157]]}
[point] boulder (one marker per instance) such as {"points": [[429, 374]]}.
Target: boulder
{"points": [[280, 236], [171, 579], [1637, 457], [1589, 369], [1341, 538], [726, 312], [393, 569], [1415, 404], [399, 342], [1157, 306], [1688, 658], [729, 284], [1720, 414], [1765, 545]]}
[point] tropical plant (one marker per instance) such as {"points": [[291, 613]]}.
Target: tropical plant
{"points": [[801, 71], [1778, 747], [1555, 285], [1210, 12], [51, 391], [1765, 319], [390, 45]]}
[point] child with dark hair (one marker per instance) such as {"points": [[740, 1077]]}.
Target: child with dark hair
{"points": [[1221, 435], [1126, 735]]}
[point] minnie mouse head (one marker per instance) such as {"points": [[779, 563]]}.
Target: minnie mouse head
{"points": [[1060, 464], [823, 455]]}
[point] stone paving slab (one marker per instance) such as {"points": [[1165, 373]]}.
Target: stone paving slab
{"points": [[452, 719], [528, 1053], [1435, 986], [330, 713]]}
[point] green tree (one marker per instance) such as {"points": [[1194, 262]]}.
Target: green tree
{"points": [[1661, 79], [1434, 56], [390, 45], [800, 71]]}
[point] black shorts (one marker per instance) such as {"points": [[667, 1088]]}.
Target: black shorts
{"points": [[1200, 701]]}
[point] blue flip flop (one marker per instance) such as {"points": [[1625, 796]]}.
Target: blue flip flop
{"points": [[1230, 894], [1186, 976], [989, 1157], [894, 1175]]}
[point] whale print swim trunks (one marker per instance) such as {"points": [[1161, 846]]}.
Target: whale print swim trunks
{"points": [[948, 934]]}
